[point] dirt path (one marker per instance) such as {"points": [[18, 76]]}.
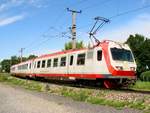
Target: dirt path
{"points": [[17, 100]]}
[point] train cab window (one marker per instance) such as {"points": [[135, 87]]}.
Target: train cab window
{"points": [[49, 63], [99, 55], [55, 62], [38, 64], [43, 63], [81, 59], [63, 62], [71, 60]]}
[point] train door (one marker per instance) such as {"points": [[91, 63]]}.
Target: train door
{"points": [[89, 66], [71, 64], [100, 64], [32, 68]]}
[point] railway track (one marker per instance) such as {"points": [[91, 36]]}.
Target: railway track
{"points": [[86, 85]]}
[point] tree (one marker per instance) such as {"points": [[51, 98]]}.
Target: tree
{"points": [[79, 45], [5, 65], [32, 57], [14, 60], [140, 47]]}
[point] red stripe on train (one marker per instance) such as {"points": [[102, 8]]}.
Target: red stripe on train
{"points": [[90, 76]]}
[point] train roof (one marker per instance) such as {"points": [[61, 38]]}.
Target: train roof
{"points": [[68, 51], [52, 54], [60, 52]]}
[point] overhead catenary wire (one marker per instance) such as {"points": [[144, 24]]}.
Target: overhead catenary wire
{"points": [[80, 2], [122, 14], [58, 18], [114, 16], [96, 4], [130, 11], [43, 35]]}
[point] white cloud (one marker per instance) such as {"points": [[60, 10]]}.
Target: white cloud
{"points": [[3, 7], [10, 20], [34, 3], [9, 4], [140, 25]]}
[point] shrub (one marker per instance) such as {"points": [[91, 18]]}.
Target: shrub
{"points": [[145, 76]]}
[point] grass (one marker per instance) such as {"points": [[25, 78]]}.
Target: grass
{"points": [[80, 94], [102, 101], [140, 85], [27, 84]]}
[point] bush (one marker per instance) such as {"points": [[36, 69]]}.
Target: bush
{"points": [[145, 76]]}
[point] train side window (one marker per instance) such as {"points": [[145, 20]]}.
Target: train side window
{"points": [[49, 63], [19, 67], [34, 64], [43, 63], [81, 59], [25, 66], [99, 55], [30, 66], [90, 54], [63, 62], [55, 62], [71, 60], [38, 64]]}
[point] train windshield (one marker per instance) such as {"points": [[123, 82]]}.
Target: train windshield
{"points": [[121, 54]]}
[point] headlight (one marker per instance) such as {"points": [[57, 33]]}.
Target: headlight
{"points": [[119, 67], [132, 68]]}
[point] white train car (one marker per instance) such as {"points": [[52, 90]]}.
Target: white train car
{"points": [[107, 61]]}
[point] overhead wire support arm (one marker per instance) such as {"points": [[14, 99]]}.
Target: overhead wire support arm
{"points": [[95, 28], [74, 11], [104, 20]]}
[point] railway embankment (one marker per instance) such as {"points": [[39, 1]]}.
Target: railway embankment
{"points": [[137, 97]]}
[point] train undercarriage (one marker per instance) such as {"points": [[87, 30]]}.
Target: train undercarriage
{"points": [[110, 83]]}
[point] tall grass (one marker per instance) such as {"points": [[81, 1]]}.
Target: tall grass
{"points": [[141, 85]]}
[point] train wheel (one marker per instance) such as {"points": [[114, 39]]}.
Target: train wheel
{"points": [[128, 82], [109, 84]]}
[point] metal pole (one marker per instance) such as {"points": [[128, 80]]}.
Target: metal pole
{"points": [[73, 29], [21, 53]]}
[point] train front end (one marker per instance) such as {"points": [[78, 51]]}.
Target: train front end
{"points": [[120, 63]]}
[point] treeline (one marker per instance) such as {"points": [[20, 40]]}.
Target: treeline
{"points": [[7, 63], [79, 45]]}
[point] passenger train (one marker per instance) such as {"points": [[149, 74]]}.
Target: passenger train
{"points": [[109, 62]]}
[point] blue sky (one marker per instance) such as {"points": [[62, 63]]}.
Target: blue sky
{"points": [[36, 25]]}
